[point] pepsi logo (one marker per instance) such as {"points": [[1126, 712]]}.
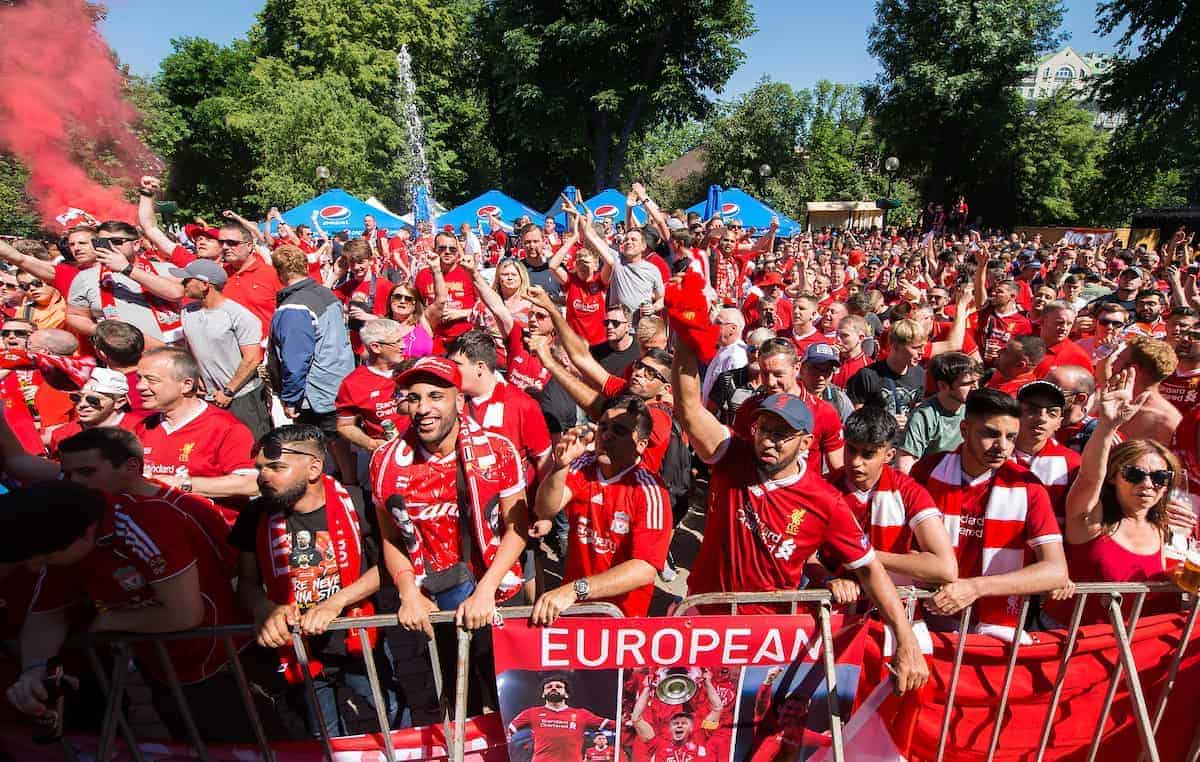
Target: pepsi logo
{"points": [[335, 213], [487, 211], [606, 210], [729, 208]]}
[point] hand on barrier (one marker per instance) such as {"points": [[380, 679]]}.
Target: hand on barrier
{"points": [[954, 597], [1064, 592], [316, 620], [28, 694], [844, 591], [414, 614], [274, 630], [476, 611], [552, 604]]}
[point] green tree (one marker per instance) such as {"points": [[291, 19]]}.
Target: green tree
{"points": [[16, 207], [1057, 153], [947, 106], [571, 85], [1155, 81]]}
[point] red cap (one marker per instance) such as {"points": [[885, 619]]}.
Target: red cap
{"points": [[448, 228], [193, 230], [769, 279], [432, 365]]}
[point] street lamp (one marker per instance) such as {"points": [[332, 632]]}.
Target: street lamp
{"points": [[764, 172], [890, 165], [323, 176]]}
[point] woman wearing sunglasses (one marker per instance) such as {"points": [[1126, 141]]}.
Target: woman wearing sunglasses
{"points": [[405, 307], [43, 305], [1120, 509]]}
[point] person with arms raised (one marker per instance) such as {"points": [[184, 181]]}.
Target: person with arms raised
{"points": [[794, 512]]}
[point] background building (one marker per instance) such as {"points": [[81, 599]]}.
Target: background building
{"points": [[1067, 68]]}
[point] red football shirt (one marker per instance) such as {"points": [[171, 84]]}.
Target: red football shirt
{"points": [[585, 307], [429, 485], [1055, 467], [369, 395], [525, 370], [760, 532], [558, 734], [212, 442], [1065, 352], [16, 412], [613, 521], [1182, 389], [848, 368], [691, 749], [913, 501], [126, 420], [460, 292], [143, 540], [255, 288], [993, 332], [1040, 524], [513, 413]]}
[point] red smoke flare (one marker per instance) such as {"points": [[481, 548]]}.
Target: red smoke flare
{"points": [[60, 90]]}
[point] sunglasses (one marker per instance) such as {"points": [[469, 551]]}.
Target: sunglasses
{"points": [[613, 323], [639, 365], [274, 450], [24, 334], [1111, 323], [229, 242], [440, 249], [1135, 475], [93, 400], [30, 285], [404, 298], [119, 241]]}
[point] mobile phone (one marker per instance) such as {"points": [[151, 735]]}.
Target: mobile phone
{"points": [[102, 243]]}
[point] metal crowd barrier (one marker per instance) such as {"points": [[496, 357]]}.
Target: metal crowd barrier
{"points": [[1147, 719], [1147, 722], [454, 723]]}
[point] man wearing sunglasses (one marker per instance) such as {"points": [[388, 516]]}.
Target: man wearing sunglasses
{"points": [[252, 283], [456, 284], [103, 401], [125, 286]]}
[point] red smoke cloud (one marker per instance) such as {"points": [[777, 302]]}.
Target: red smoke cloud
{"points": [[61, 91]]}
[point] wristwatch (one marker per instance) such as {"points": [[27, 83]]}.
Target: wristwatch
{"points": [[227, 392], [185, 485], [582, 588], [127, 270]]}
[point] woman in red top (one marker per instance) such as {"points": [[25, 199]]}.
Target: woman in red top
{"points": [[1119, 511]]}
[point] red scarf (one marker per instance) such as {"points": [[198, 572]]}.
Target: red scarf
{"points": [[1004, 537], [274, 564], [478, 459], [166, 313]]}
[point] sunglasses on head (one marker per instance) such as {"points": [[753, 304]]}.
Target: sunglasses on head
{"points": [[30, 285], [22, 332], [93, 400], [273, 450], [1160, 478]]}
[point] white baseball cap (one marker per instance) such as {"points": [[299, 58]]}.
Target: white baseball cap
{"points": [[108, 381]]}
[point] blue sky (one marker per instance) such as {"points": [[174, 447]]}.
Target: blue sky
{"points": [[798, 42]]}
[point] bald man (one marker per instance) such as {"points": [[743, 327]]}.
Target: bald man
{"points": [[731, 350], [1078, 385]]}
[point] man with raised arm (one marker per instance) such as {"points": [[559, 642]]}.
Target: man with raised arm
{"points": [[769, 512]]}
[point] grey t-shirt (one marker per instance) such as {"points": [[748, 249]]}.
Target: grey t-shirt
{"points": [[216, 338], [634, 284], [931, 429], [129, 301]]}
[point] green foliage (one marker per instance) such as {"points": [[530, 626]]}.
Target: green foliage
{"points": [[571, 84], [946, 106], [16, 208], [1057, 151], [1129, 181], [1155, 81]]}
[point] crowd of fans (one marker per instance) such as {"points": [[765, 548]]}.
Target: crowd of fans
{"points": [[283, 427]]}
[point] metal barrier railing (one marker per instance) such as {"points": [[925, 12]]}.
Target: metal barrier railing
{"points": [[1123, 633], [1147, 722], [454, 723]]}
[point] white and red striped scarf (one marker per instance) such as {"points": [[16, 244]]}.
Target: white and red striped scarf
{"points": [[887, 521], [1052, 467], [1004, 540]]}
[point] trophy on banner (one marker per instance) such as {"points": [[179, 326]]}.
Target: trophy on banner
{"points": [[676, 685]]}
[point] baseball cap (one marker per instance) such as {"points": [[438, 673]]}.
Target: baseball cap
{"points": [[192, 230], [1042, 394], [818, 353], [790, 408], [203, 269], [1032, 264], [1131, 271], [874, 261], [769, 279], [431, 365], [108, 381], [675, 224]]}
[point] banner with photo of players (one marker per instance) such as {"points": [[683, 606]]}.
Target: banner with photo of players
{"points": [[697, 688]]}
